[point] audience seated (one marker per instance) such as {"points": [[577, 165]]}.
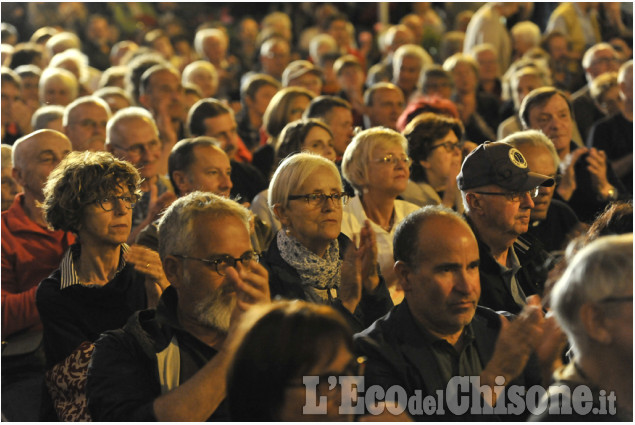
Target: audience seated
{"points": [[135, 79]]}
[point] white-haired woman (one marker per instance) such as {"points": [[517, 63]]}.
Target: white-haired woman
{"points": [[310, 259], [376, 164]]}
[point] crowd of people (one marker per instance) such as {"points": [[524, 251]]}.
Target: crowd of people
{"points": [[204, 205]]}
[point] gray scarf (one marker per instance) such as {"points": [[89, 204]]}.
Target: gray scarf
{"points": [[320, 276]]}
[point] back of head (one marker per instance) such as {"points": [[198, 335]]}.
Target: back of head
{"points": [[616, 219], [600, 273], [284, 342]]}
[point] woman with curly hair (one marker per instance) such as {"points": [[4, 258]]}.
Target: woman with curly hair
{"points": [[96, 287]]}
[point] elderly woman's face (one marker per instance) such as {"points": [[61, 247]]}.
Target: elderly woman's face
{"points": [[101, 227], [388, 170], [315, 224]]}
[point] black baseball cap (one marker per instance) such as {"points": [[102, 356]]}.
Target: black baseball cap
{"points": [[500, 164]]}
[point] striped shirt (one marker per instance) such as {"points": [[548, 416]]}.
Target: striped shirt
{"points": [[69, 276]]}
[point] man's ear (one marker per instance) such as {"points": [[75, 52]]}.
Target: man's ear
{"points": [[425, 164], [173, 269], [17, 176], [181, 180], [144, 101], [474, 202], [403, 272], [593, 320]]}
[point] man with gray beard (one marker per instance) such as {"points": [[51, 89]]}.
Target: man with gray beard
{"points": [[169, 365]]}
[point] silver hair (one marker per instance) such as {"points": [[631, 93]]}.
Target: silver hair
{"points": [[204, 34], [44, 115], [528, 31], [68, 110], [292, 173], [61, 74], [410, 50], [359, 153], [191, 68], [126, 114], [602, 269], [176, 227], [625, 69], [319, 40], [591, 51]]}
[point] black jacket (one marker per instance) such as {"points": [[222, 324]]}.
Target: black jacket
{"points": [[398, 354], [285, 282]]}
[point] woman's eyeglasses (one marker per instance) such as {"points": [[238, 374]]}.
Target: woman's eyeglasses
{"points": [[318, 199], [108, 203]]}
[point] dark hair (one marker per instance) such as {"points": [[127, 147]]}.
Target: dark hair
{"points": [[25, 54], [182, 156], [137, 67], [406, 239], [435, 71], [293, 135], [616, 219], [421, 133], [144, 82], [321, 106], [538, 97], [202, 110], [81, 179], [284, 344], [252, 84], [7, 75]]}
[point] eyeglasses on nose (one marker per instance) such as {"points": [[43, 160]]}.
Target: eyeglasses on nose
{"points": [[220, 263], [108, 203], [514, 196], [317, 199], [394, 160]]}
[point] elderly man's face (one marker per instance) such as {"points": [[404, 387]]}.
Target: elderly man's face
{"points": [[206, 297], [138, 144], [408, 73], [503, 215], [86, 127], [540, 161], [442, 285], [37, 159], [387, 105], [603, 61], [276, 59], [57, 92], [165, 91], [554, 119]]}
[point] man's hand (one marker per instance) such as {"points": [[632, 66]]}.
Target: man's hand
{"points": [[251, 285], [597, 167], [567, 169]]}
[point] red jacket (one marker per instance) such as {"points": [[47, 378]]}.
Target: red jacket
{"points": [[30, 253]]}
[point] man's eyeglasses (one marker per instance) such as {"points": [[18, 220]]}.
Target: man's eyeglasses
{"points": [[449, 146], [318, 199], [220, 263], [108, 203], [138, 149], [394, 160], [513, 196]]}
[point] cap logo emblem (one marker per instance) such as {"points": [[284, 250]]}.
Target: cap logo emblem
{"points": [[517, 158]]}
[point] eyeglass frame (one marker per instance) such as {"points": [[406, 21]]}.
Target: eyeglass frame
{"points": [[454, 145], [511, 195], [343, 197], [101, 201], [215, 262], [132, 149], [394, 160]]}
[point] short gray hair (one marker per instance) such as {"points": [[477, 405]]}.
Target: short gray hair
{"points": [[410, 50], [204, 34], [68, 110], [292, 173], [58, 73], [602, 269], [591, 51], [126, 114], [534, 138], [359, 153], [176, 227], [45, 114], [191, 68]]}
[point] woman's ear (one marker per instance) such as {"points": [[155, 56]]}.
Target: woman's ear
{"points": [[280, 212]]}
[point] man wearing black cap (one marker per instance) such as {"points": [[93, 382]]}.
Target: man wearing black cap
{"points": [[498, 190]]}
